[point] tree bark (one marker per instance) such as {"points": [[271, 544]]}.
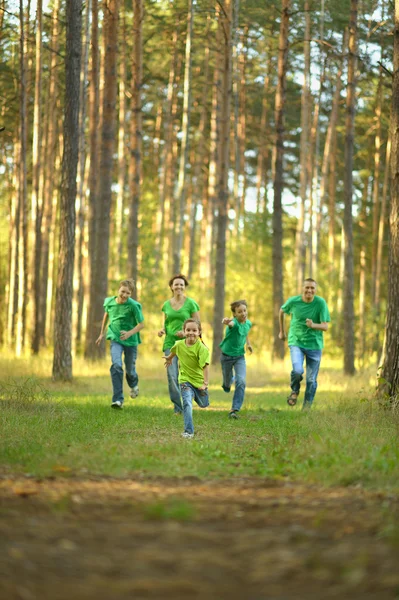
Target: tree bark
{"points": [[135, 166], [300, 249], [277, 249], [37, 201], [389, 381], [348, 304], [226, 16], [62, 362], [92, 327], [180, 197]]}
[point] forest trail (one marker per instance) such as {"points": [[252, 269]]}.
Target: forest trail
{"points": [[113, 539]]}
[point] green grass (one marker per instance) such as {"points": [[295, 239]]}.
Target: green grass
{"points": [[69, 430]]}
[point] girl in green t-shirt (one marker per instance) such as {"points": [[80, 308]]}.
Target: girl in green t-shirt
{"points": [[176, 311], [193, 356]]}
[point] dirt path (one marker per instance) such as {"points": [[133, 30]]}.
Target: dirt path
{"points": [[162, 539]]}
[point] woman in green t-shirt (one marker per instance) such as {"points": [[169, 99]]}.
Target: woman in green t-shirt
{"points": [[176, 311]]}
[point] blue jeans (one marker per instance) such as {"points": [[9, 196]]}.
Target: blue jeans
{"points": [[313, 358], [240, 371], [173, 383], [188, 393], [117, 369]]}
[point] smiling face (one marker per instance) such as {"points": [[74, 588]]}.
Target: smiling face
{"points": [[123, 294], [308, 290], [178, 286], [191, 332], [240, 313]]}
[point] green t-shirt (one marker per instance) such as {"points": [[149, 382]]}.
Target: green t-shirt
{"points": [[123, 317], [174, 319], [235, 338], [192, 360], [299, 334]]}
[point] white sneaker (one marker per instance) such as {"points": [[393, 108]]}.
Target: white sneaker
{"points": [[117, 404], [134, 392], [187, 435]]}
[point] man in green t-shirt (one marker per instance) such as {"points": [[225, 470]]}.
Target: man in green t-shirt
{"points": [[310, 318]]}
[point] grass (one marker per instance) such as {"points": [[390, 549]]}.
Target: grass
{"points": [[63, 430]]}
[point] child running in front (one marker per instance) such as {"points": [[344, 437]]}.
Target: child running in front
{"points": [[125, 323], [193, 358], [233, 353]]}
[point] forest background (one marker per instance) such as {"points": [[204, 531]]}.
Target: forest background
{"points": [[244, 144]]}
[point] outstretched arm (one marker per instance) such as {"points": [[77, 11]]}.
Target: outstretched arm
{"points": [[168, 359], [229, 321]]}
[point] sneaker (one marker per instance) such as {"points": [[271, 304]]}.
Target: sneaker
{"points": [[233, 414], [117, 404], [134, 392], [188, 436]]}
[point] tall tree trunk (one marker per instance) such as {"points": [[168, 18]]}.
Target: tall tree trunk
{"points": [[92, 327], [51, 168], [14, 248], [348, 308], [23, 196], [362, 271], [99, 282], [389, 382], [329, 159], [209, 195], [381, 227], [136, 140], [225, 24], [79, 283], [300, 249], [120, 197], [199, 177], [277, 249], [263, 150], [167, 163], [62, 362], [37, 201], [376, 187], [331, 216], [180, 197]]}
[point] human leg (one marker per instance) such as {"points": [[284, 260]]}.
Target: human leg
{"points": [[297, 357], [240, 370], [187, 394], [173, 384], [313, 359], [201, 397], [117, 373], [131, 373], [227, 363]]}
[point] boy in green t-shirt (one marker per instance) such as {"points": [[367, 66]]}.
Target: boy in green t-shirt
{"points": [[193, 358], [310, 318], [125, 323], [233, 353]]}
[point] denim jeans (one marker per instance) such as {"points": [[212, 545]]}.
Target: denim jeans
{"points": [[173, 383], [188, 393], [313, 358], [240, 371], [117, 369]]}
